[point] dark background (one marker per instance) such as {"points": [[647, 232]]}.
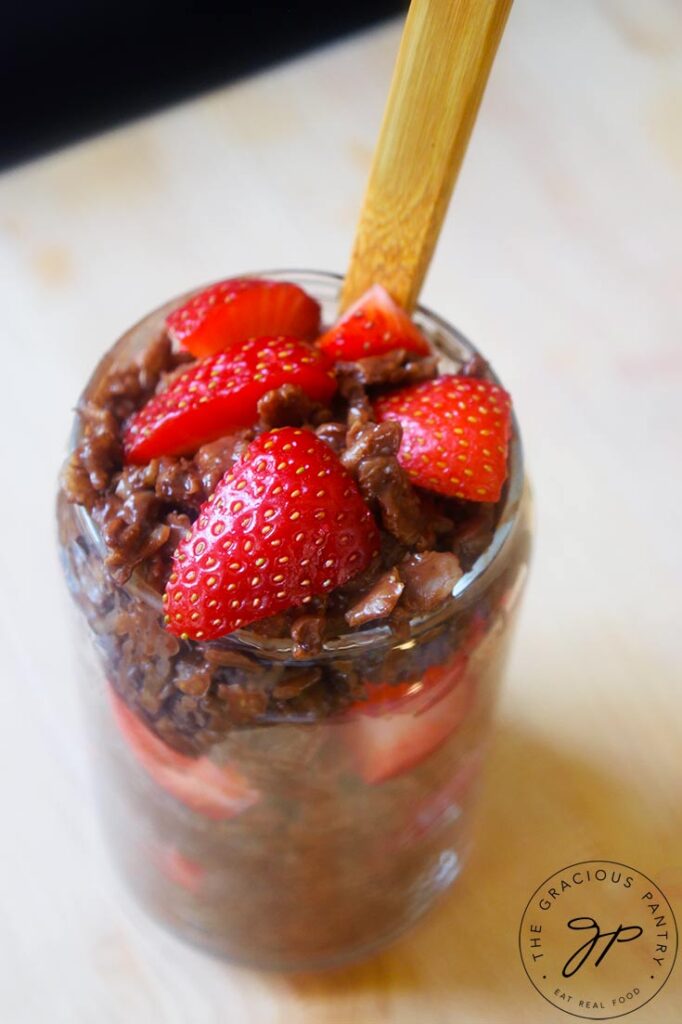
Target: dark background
{"points": [[72, 67]]}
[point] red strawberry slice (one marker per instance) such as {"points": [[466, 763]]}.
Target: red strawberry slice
{"points": [[287, 523], [456, 434], [242, 308], [371, 326], [389, 735], [180, 870], [215, 791], [412, 696], [221, 393]]}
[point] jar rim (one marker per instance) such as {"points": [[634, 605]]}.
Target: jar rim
{"points": [[443, 336]]}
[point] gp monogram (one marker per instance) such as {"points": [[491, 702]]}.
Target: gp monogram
{"points": [[598, 940]]}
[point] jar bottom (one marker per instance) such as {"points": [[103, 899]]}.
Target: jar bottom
{"points": [[209, 942]]}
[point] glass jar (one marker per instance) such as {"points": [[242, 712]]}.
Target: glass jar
{"points": [[314, 833]]}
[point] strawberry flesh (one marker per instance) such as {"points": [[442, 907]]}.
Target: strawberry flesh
{"points": [[373, 325], [215, 791], [400, 726], [456, 434], [220, 393], [180, 870], [241, 308], [286, 524]]}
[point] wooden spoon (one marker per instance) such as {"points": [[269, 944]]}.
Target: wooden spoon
{"points": [[443, 65]]}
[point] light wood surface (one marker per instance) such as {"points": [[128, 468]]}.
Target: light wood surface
{"points": [[446, 52], [561, 257]]}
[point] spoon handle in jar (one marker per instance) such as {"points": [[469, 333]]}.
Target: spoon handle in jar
{"points": [[445, 56]]}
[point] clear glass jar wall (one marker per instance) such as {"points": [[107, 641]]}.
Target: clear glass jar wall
{"points": [[315, 833]]}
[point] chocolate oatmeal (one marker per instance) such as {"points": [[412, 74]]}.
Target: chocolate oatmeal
{"points": [[348, 719]]}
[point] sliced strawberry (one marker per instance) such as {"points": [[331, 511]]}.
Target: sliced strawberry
{"points": [[221, 393], [180, 870], [286, 524], [390, 735], [456, 434], [384, 698], [371, 326], [215, 791], [242, 308]]}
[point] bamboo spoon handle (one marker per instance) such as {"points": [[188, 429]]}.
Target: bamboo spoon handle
{"points": [[445, 57]]}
